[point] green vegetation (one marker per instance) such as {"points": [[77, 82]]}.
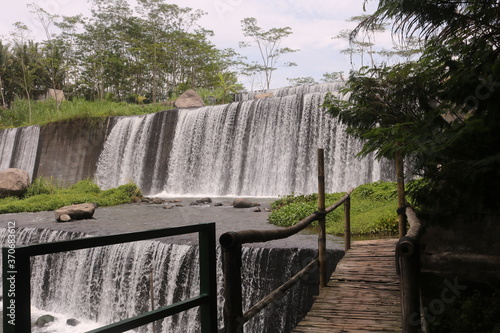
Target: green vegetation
{"points": [[477, 312], [440, 110], [45, 194], [45, 112], [373, 210]]}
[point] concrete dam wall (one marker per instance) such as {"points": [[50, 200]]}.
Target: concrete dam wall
{"points": [[254, 147]]}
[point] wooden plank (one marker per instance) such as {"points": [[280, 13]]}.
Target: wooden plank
{"points": [[362, 294]]}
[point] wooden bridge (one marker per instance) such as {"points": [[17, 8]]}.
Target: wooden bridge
{"points": [[362, 294]]}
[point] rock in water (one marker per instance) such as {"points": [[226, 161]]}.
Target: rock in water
{"points": [[13, 182], [242, 203], [44, 320], [72, 322], [189, 99], [76, 212]]}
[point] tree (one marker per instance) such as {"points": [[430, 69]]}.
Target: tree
{"points": [[302, 81], [269, 45], [449, 94], [51, 61]]}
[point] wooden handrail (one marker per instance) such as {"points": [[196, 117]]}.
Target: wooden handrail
{"points": [[231, 243], [408, 269]]}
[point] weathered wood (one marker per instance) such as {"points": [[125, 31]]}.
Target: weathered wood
{"points": [[322, 219], [362, 294], [347, 224], [400, 179]]}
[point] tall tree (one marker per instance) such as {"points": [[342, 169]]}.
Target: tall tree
{"points": [[269, 44], [457, 110], [51, 61]]}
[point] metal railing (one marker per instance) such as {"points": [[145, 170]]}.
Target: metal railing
{"points": [[408, 269], [231, 244], [16, 279]]}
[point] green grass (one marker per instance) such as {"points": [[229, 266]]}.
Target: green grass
{"points": [[45, 112], [373, 210], [46, 194]]}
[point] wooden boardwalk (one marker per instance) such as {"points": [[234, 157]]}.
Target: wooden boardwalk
{"points": [[362, 294]]}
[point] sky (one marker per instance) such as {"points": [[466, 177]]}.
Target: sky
{"points": [[313, 23]]}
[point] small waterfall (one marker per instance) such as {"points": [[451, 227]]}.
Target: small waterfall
{"points": [[18, 148], [111, 283], [137, 150], [256, 147]]}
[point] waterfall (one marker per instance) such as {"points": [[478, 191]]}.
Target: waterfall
{"points": [[111, 283], [255, 147], [18, 148]]}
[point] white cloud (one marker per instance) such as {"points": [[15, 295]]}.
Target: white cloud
{"points": [[313, 25]]}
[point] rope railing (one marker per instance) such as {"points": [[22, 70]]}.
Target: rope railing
{"points": [[231, 243]]}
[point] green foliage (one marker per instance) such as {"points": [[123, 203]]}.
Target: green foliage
{"points": [[41, 185], [44, 112], [445, 106], [117, 53], [373, 210], [43, 195], [478, 312], [268, 42]]}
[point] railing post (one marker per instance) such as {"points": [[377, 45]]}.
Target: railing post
{"points": [[233, 311], [407, 255], [208, 276], [16, 290], [322, 227], [401, 193], [347, 223]]}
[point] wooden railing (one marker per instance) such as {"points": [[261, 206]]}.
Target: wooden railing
{"points": [[408, 268], [231, 243]]}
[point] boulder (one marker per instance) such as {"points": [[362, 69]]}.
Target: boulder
{"points": [[13, 182], [242, 203], [189, 99], [76, 212], [72, 322], [64, 218], [44, 320]]}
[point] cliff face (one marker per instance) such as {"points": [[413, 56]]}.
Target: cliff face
{"points": [[69, 151]]}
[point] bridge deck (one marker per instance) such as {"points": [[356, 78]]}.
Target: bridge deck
{"points": [[362, 294]]}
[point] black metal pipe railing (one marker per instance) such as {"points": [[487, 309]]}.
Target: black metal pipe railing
{"points": [[17, 275]]}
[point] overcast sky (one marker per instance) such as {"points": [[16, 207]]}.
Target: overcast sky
{"points": [[313, 24]]}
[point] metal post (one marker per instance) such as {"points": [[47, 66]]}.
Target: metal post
{"points": [[321, 210], [208, 278], [16, 290], [347, 221], [233, 312]]}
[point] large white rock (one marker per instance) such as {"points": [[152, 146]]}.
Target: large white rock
{"points": [[13, 182]]}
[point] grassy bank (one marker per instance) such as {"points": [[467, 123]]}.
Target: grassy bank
{"points": [[47, 111], [373, 210], [45, 195]]}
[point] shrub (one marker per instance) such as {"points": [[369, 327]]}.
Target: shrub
{"points": [[373, 210], [44, 196]]}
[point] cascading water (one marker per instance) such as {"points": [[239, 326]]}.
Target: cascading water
{"points": [[107, 284], [18, 148], [257, 147]]}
